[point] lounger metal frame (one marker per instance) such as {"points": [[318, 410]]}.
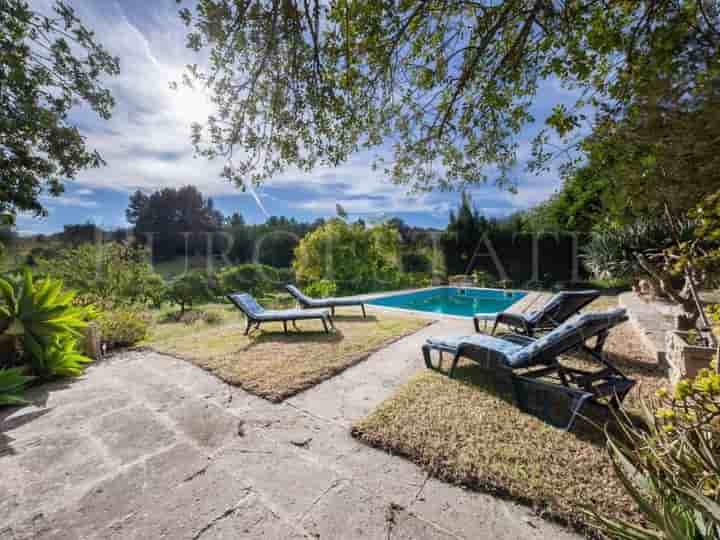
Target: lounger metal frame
{"points": [[253, 323], [549, 320], [331, 303], [574, 387]]}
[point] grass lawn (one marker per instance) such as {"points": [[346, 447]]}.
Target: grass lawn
{"points": [[461, 432], [269, 363]]}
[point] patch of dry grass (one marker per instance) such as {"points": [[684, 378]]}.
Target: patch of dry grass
{"points": [[272, 364], [463, 432]]}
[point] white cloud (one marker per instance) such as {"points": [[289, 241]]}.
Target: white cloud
{"points": [[146, 144], [69, 200]]}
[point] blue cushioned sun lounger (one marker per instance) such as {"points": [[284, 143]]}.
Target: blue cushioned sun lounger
{"points": [[556, 311], [512, 361], [255, 314]]}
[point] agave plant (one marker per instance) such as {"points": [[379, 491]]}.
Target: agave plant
{"points": [[61, 358], [39, 319], [12, 384]]}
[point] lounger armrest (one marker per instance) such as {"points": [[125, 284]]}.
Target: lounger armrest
{"points": [[514, 320], [483, 355]]}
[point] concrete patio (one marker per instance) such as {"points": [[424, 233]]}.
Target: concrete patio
{"points": [[148, 446]]}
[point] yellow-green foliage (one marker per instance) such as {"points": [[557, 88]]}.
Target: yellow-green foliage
{"points": [[123, 326], [670, 466], [111, 272], [356, 257]]}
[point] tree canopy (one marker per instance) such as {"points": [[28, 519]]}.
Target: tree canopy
{"points": [[448, 84], [47, 65], [174, 220], [662, 156], [355, 257]]}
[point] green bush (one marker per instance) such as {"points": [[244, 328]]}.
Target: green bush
{"points": [[357, 258], [414, 262], [484, 279], [115, 272], [284, 276], [321, 289], [416, 280], [609, 254], [188, 289], [256, 279], [123, 326]]}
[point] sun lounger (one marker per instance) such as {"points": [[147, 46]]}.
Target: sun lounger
{"points": [[332, 303], [556, 311], [255, 314], [530, 372]]}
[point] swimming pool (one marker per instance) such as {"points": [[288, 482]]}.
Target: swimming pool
{"points": [[452, 301]]}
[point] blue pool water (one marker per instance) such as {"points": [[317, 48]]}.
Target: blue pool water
{"points": [[453, 301]]}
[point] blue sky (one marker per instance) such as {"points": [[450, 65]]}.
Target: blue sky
{"points": [[147, 143]]}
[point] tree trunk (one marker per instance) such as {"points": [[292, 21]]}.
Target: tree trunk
{"points": [[687, 320]]}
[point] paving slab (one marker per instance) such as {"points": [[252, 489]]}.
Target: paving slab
{"points": [[469, 514], [651, 320], [358, 390]]}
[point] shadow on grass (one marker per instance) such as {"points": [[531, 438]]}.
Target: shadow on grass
{"points": [[355, 318], [552, 408], [292, 337]]}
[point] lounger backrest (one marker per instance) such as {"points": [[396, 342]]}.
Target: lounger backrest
{"points": [[246, 303], [298, 294], [563, 305], [569, 335]]}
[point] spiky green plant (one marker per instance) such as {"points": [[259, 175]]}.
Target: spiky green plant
{"points": [[38, 319], [12, 384], [60, 359]]}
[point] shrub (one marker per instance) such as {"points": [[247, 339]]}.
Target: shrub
{"points": [[669, 465], [114, 271], [123, 326], [484, 279], [193, 316], [284, 276], [357, 258], [256, 279], [415, 262], [322, 288], [188, 289]]}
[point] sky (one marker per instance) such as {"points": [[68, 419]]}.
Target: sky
{"points": [[146, 143]]}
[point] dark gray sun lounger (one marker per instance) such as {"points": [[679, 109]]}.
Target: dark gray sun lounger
{"points": [[255, 314], [528, 370], [556, 311], [307, 302]]}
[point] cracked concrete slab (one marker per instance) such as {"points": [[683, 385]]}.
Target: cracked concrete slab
{"points": [[149, 446]]}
